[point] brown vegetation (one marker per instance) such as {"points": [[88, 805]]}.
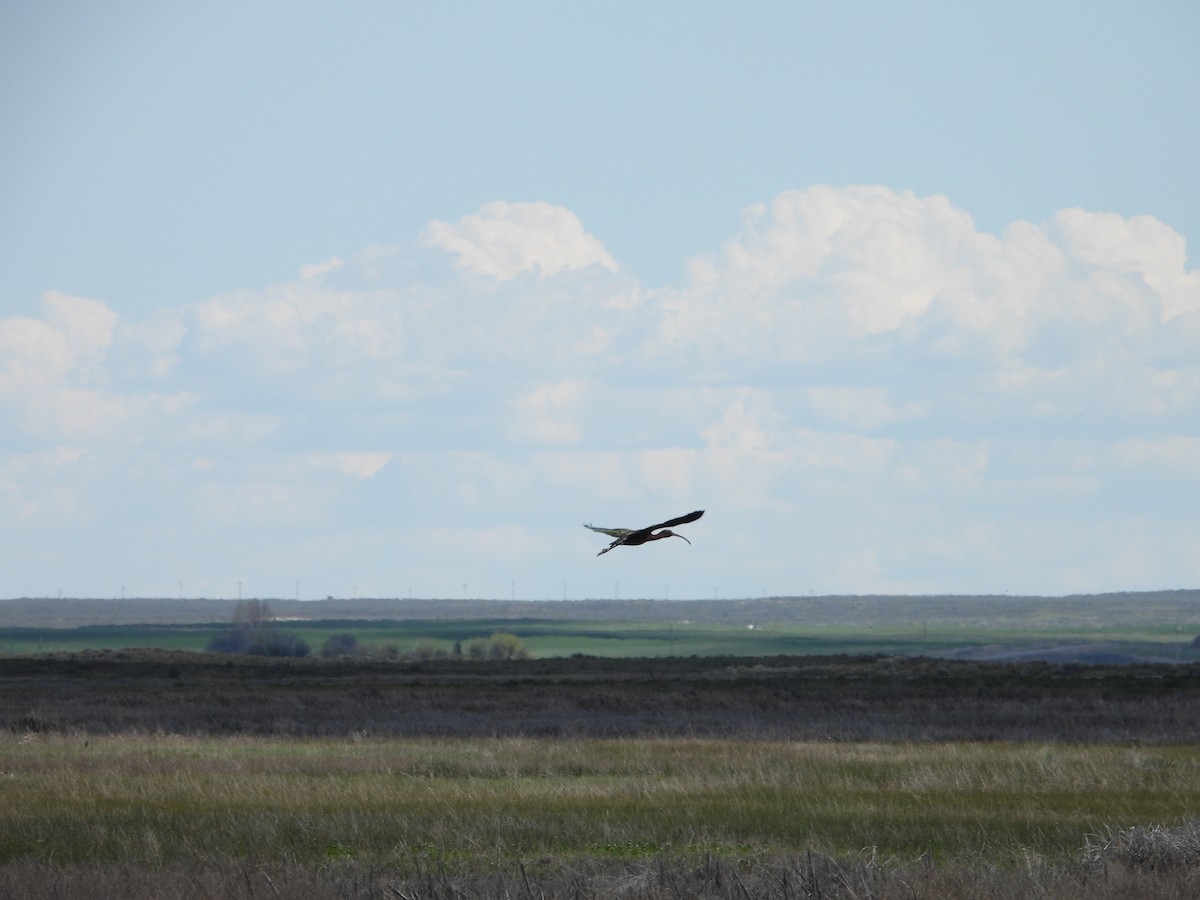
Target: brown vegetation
{"points": [[805, 876], [814, 698]]}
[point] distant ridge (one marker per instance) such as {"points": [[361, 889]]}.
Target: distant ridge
{"points": [[1176, 607]]}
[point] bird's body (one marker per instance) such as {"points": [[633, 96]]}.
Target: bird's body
{"points": [[635, 537]]}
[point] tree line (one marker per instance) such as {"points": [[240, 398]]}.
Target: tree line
{"points": [[255, 632]]}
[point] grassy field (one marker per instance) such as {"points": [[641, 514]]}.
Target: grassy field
{"points": [[74, 800], [516, 809]]}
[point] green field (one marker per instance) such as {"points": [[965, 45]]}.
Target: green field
{"points": [[1155, 626], [616, 638]]}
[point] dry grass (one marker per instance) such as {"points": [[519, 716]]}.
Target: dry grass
{"points": [[803, 875], [637, 817]]}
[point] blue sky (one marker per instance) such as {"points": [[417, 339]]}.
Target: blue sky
{"points": [[388, 299]]}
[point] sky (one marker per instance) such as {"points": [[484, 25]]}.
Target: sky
{"points": [[388, 299]]}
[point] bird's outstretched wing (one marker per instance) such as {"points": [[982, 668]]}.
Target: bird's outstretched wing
{"points": [[612, 532], [682, 520]]}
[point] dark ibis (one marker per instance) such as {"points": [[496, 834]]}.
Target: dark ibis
{"points": [[635, 537]]}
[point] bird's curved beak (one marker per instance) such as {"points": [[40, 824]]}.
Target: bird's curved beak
{"points": [[673, 534]]}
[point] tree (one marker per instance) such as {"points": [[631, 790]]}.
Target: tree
{"points": [[254, 633], [253, 620]]}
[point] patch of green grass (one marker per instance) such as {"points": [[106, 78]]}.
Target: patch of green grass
{"points": [[106, 637]]}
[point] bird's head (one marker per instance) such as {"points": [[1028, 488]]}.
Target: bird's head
{"points": [[670, 533]]}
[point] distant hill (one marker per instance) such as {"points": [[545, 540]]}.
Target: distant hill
{"points": [[1124, 610]]}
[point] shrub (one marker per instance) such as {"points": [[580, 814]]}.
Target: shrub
{"points": [[279, 644], [425, 650], [340, 645], [501, 645]]}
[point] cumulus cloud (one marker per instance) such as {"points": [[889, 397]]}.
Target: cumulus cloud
{"points": [[1140, 247], [503, 240], [817, 265], [817, 272], [862, 385], [35, 356], [151, 347], [86, 325], [53, 368], [303, 329], [68, 344]]}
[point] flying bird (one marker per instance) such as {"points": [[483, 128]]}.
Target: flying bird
{"points": [[635, 537]]}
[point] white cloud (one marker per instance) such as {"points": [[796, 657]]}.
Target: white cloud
{"points": [[325, 267], [862, 572], [87, 325], [1141, 247], [358, 465], [152, 347], [302, 327], [53, 371], [586, 474], [1180, 455], [261, 503], [819, 264], [228, 428], [745, 425], [36, 357], [68, 345], [669, 472], [859, 381], [548, 413], [748, 451], [861, 408], [504, 240], [815, 273], [82, 413], [503, 542], [36, 488]]}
